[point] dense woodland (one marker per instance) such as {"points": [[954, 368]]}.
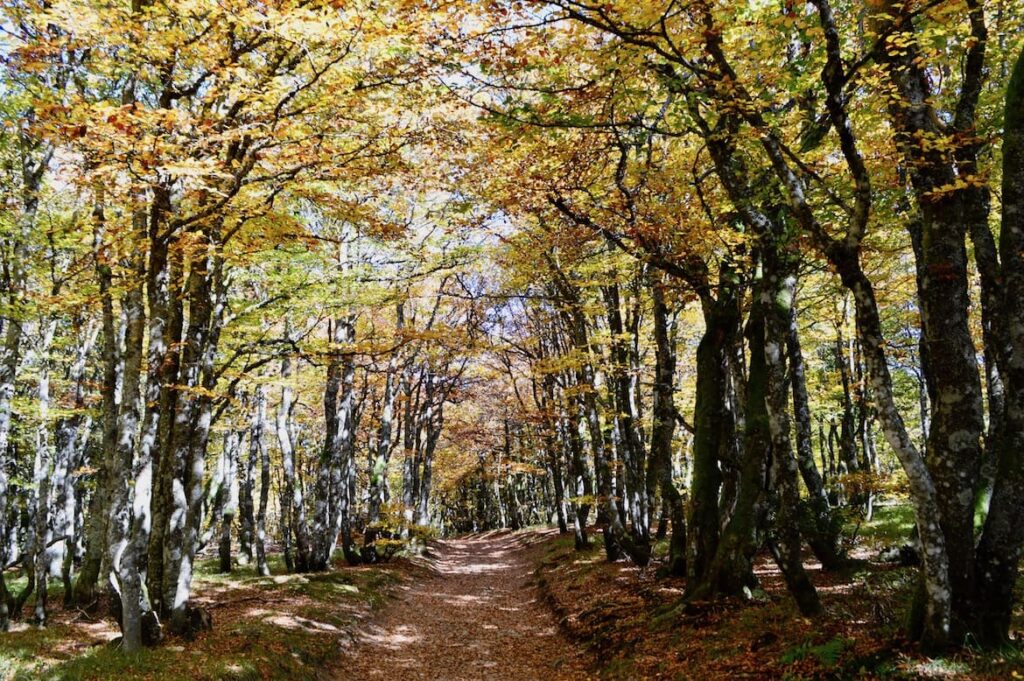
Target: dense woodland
{"points": [[693, 281]]}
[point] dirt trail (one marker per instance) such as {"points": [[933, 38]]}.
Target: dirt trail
{"points": [[475, 616]]}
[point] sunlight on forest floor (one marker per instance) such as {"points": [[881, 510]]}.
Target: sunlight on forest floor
{"points": [[643, 631], [481, 600], [281, 627]]}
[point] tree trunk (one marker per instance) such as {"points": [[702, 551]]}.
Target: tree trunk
{"points": [[544, 401], [292, 489], [954, 453], [999, 551], [99, 505], [426, 482], [168, 467], [258, 448], [711, 433], [822, 528], [207, 300], [72, 435], [662, 429], [229, 487], [9, 361], [935, 626], [339, 405], [777, 302], [410, 454], [632, 454], [130, 475], [381, 457], [731, 569], [42, 475], [847, 437], [582, 482], [247, 461]]}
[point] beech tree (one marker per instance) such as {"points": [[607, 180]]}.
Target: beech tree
{"points": [[331, 279], [662, 82]]}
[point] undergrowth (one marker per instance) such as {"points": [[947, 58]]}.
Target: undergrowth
{"points": [[281, 627]]}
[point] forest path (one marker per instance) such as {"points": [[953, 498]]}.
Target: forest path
{"points": [[475, 616]]}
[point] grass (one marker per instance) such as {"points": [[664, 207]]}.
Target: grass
{"points": [[278, 627], [890, 525]]}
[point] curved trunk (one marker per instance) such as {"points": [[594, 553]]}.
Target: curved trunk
{"points": [[935, 625]]}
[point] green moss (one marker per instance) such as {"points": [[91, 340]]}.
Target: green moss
{"points": [[665, 616], [619, 668]]}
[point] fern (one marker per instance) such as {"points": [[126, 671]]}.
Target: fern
{"points": [[827, 653]]}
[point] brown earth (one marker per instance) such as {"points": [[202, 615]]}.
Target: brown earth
{"points": [[475, 614]]}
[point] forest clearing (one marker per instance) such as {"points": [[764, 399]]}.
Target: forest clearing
{"points": [[509, 339]]}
